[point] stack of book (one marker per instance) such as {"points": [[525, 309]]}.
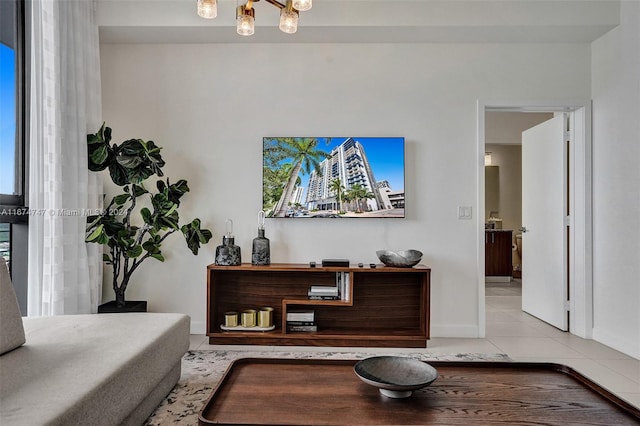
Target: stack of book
{"points": [[341, 291], [301, 320], [344, 286], [323, 292]]}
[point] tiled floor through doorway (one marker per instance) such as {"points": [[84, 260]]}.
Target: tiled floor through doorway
{"points": [[526, 338]]}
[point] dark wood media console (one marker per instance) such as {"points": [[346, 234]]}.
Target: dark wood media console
{"points": [[386, 307]]}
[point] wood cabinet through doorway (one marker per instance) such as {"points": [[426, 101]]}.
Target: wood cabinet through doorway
{"points": [[498, 253]]}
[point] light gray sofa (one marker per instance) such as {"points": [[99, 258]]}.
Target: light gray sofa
{"points": [[107, 369]]}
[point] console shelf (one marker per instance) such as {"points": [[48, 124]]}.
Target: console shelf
{"points": [[386, 307]]}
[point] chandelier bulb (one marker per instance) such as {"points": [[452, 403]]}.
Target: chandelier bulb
{"points": [[302, 5], [245, 14], [245, 21], [208, 8], [288, 18]]}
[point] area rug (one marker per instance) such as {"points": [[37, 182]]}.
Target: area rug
{"points": [[201, 371]]}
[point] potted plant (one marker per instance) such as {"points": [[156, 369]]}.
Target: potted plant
{"points": [[132, 231]]}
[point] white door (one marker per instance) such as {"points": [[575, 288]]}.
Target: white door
{"points": [[544, 209]]}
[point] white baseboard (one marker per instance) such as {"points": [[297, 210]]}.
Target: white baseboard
{"points": [[198, 327], [627, 347], [460, 331]]}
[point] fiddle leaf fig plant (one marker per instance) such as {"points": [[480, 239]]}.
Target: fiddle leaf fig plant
{"points": [[131, 232]]}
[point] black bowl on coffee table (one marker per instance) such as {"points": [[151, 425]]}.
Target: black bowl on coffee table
{"points": [[395, 376]]}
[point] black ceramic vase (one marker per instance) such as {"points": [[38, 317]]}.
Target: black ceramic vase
{"points": [[228, 254], [261, 252]]}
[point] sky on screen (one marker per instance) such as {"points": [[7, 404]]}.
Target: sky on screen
{"points": [[385, 155]]}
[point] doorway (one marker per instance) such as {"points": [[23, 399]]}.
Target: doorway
{"points": [[579, 232], [503, 215], [503, 184]]}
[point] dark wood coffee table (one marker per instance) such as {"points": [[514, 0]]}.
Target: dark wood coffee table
{"points": [[322, 392]]}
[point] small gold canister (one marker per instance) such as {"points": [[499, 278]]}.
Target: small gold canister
{"points": [[249, 318], [265, 317], [230, 319]]}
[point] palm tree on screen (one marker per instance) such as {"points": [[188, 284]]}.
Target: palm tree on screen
{"points": [[337, 188], [305, 157], [359, 193]]}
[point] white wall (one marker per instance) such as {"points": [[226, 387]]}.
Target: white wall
{"points": [[616, 183], [209, 106]]}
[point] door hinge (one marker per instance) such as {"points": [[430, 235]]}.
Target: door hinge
{"points": [[567, 305], [567, 221]]}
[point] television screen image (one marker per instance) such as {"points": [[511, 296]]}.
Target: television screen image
{"points": [[336, 177]]}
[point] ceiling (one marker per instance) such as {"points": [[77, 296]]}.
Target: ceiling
{"points": [[366, 21], [506, 127]]}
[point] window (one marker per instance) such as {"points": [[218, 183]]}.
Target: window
{"points": [[7, 120], [12, 102], [13, 142], [12, 111]]}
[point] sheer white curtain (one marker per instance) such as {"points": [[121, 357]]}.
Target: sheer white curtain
{"points": [[65, 274]]}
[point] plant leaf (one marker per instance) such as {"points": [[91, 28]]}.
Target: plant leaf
{"points": [[139, 190], [121, 199], [151, 246], [92, 221], [129, 161], [139, 159], [118, 174], [204, 235], [146, 216], [171, 210], [98, 236], [100, 154], [177, 190], [168, 222], [194, 235], [134, 251]]}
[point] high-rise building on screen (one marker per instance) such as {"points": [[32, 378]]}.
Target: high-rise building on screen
{"points": [[347, 163]]}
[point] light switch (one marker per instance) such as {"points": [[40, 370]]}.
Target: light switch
{"points": [[464, 212]]}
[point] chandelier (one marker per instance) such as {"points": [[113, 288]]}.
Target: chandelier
{"points": [[245, 14]]}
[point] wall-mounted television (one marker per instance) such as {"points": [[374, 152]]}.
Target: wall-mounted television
{"points": [[333, 177]]}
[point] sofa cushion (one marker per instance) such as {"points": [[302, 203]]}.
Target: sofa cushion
{"points": [[89, 369], [12, 331]]}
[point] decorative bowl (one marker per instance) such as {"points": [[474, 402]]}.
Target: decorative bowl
{"points": [[400, 259], [395, 376]]}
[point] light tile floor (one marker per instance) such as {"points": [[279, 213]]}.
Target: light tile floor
{"points": [[523, 338]]}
